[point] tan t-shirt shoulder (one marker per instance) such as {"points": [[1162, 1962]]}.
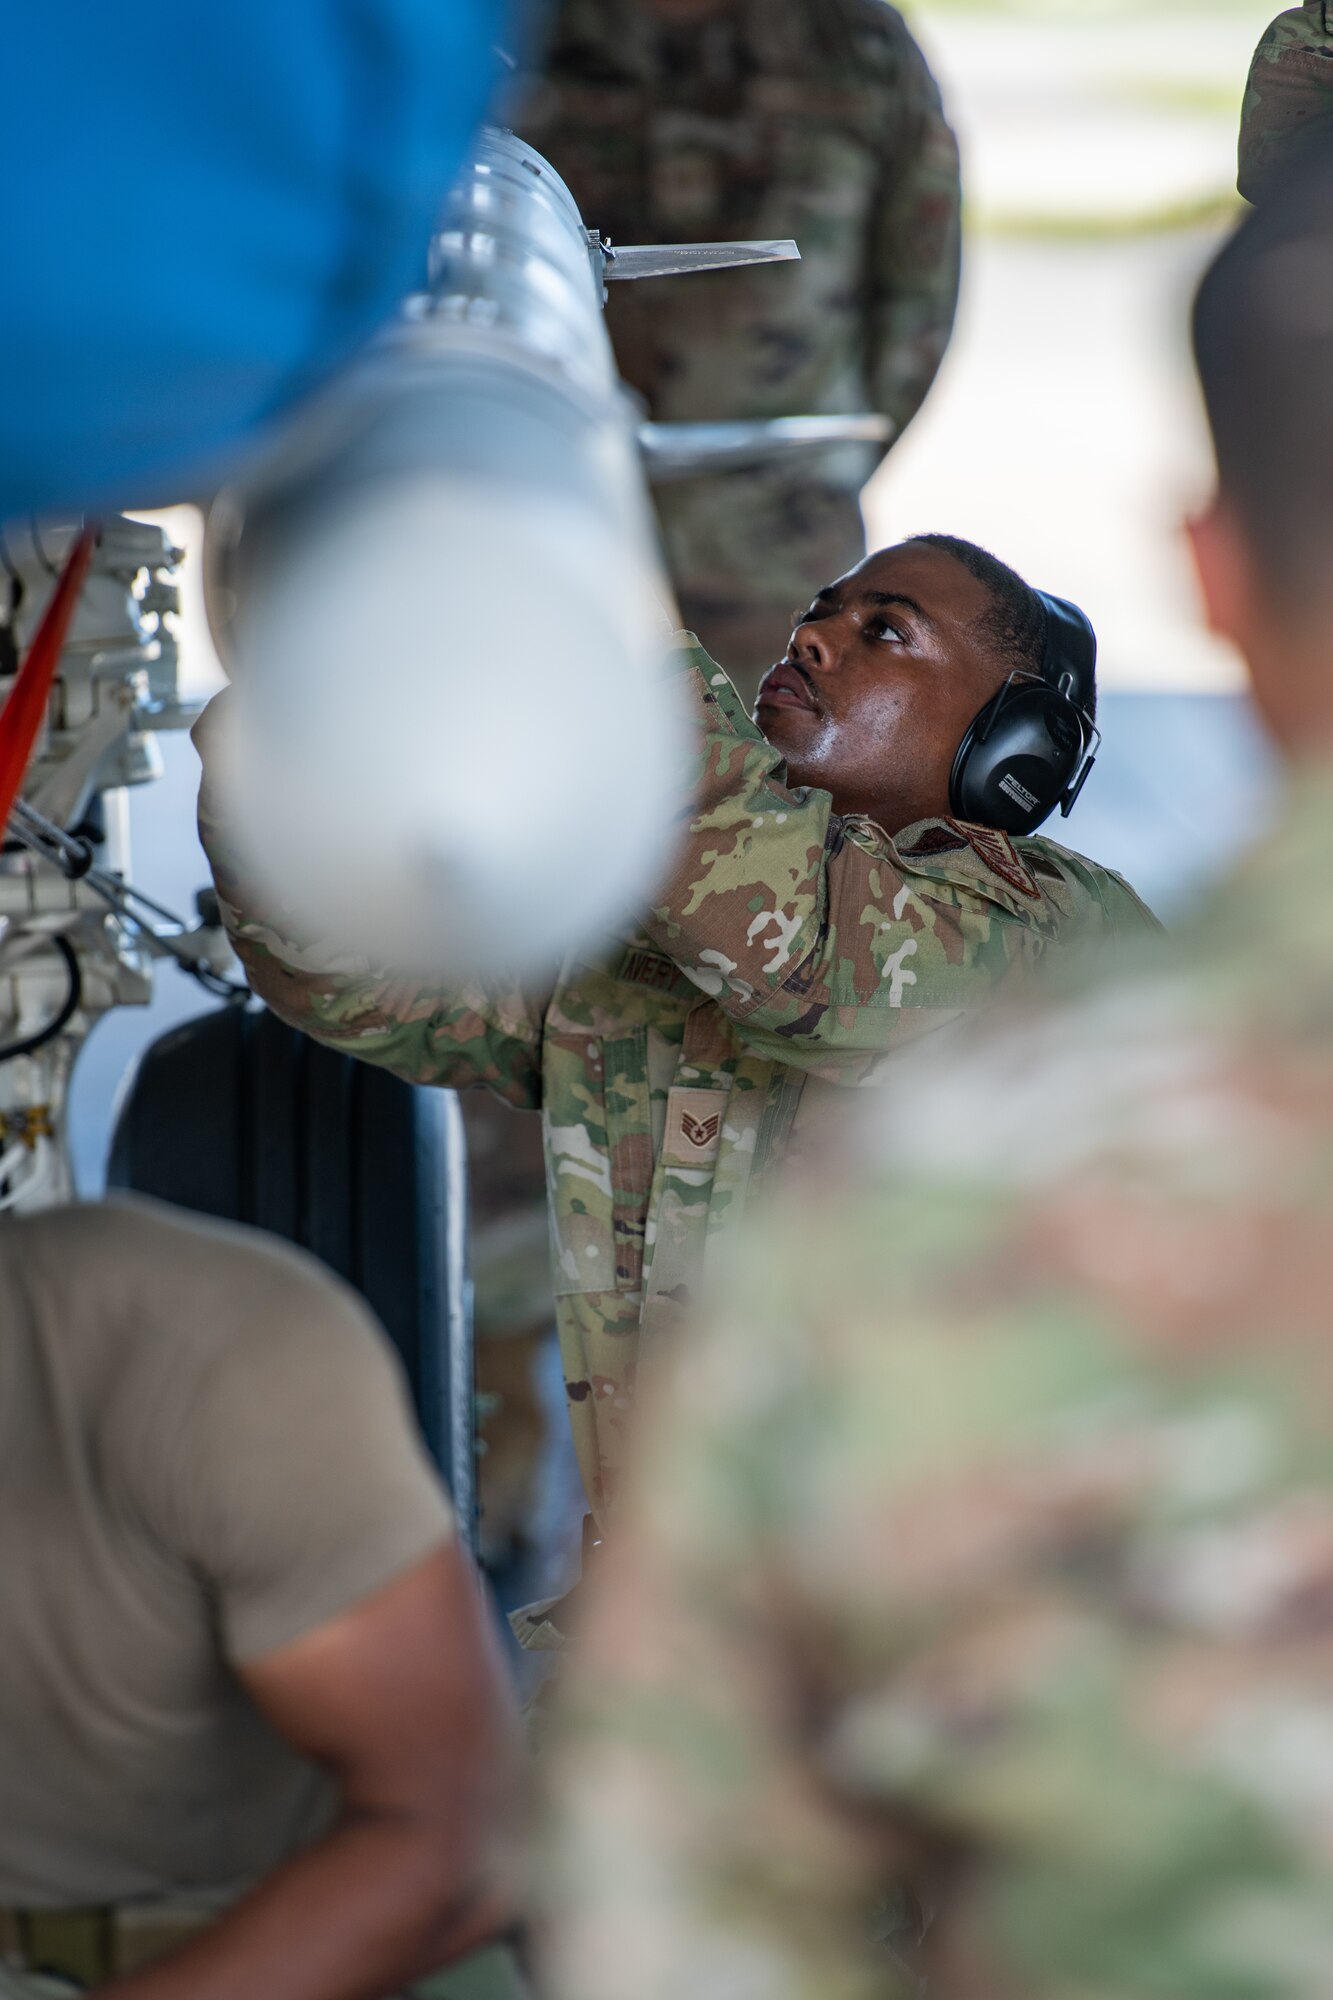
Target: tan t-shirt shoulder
{"points": [[206, 1450]]}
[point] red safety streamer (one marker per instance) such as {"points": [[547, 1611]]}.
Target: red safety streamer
{"points": [[21, 716]]}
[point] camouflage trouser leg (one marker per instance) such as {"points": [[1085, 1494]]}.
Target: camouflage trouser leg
{"points": [[510, 1254], [748, 551]]}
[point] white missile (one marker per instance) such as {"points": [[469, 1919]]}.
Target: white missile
{"points": [[453, 746]]}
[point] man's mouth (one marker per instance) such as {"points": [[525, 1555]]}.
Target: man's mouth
{"points": [[787, 686]]}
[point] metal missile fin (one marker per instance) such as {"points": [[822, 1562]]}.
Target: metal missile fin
{"points": [[676, 451], [667, 260]]}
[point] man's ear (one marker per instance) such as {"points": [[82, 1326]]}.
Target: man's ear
{"points": [[1226, 573]]}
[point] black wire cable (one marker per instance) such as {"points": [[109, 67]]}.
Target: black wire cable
{"points": [[64, 1013], [212, 982], [72, 855]]}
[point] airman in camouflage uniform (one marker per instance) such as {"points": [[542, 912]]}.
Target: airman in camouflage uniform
{"points": [[985, 1541], [689, 120], [791, 950], [682, 120], [1289, 92]]}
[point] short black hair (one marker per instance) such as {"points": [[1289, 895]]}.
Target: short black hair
{"points": [[1263, 346], [1015, 624]]}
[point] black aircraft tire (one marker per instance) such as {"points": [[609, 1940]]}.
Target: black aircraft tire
{"points": [[236, 1115]]}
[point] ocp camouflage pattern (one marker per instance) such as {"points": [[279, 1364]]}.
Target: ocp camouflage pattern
{"points": [[815, 119], [789, 953], [1289, 91], [969, 1623]]}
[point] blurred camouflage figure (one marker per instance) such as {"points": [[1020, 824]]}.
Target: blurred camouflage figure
{"points": [[972, 1617], [821, 912], [1289, 93], [514, 1312], [690, 120]]}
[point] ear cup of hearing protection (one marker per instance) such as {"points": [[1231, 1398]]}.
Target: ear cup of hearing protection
{"points": [[1018, 758], [1032, 746]]}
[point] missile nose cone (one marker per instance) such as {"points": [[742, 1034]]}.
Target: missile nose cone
{"points": [[452, 744]]}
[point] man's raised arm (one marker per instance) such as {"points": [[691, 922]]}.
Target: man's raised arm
{"points": [[427, 1032]]}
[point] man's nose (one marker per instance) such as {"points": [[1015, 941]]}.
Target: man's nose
{"points": [[810, 647]]}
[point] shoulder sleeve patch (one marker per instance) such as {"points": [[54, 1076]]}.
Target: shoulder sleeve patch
{"points": [[1000, 855]]}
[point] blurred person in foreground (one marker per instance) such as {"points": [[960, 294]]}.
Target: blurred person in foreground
{"points": [[695, 120], [254, 1739], [821, 913], [972, 1615]]}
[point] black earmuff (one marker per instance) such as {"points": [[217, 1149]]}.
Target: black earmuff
{"points": [[1032, 746]]}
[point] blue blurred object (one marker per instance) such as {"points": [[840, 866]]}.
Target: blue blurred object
{"points": [[206, 209]]}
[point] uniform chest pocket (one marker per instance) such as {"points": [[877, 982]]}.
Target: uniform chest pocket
{"points": [[600, 1164]]}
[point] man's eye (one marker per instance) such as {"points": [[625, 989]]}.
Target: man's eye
{"points": [[882, 628]]}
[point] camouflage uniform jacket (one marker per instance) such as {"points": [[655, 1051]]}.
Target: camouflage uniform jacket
{"points": [[984, 1542], [789, 953]]}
